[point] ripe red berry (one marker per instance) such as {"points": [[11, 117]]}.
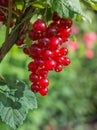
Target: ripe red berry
{"points": [[39, 62], [56, 53], [58, 68], [54, 43], [35, 50], [34, 35], [43, 91], [33, 77], [67, 23], [42, 72], [43, 82], [66, 61], [55, 17], [26, 51], [47, 54], [39, 25], [63, 51], [50, 64], [32, 67], [35, 87], [43, 42], [64, 34], [51, 31]]}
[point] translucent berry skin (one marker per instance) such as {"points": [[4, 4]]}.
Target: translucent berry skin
{"points": [[39, 25], [32, 67], [66, 61], [50, 64], [54, 43], [43, 42], [39, 62], [56, 53], [51, 31], [42, 72], [58, 68], [33, 77], [63, 51], [34, 35], [35, 88], [47, 54], [43, 91], [43, 82], [34, 50], [66, 23]]}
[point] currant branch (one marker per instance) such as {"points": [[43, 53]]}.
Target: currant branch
{"points": [[8, 22], [13, 38]]}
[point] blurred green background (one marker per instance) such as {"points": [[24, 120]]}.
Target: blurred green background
{"points": [[72, 98]]}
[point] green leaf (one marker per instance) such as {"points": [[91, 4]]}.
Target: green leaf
{"points": [[67, 7], [95, 1], [15, 103], [19, 4], [72, 38], [38, 5], [41, 4], [91, 3], [75, 6], [60, 8]]}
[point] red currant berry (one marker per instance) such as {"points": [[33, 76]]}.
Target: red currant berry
{"points": [[66, 61], [34, 50], [63, 51], [43, 42], [35, 87], [54, 43], [39, 25], [55, 17], [43, 82], [42, 72], [67, 23], [33, 77], [51, 31], [56, 53], [59, 59], [47, 54], [43, 91], [39, 62], [32, 67], [50, 64], [26, 51], [34, 35], [64, 34], [58, 68]]}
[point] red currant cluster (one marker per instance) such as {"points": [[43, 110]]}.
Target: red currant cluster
{"points": [[46, 50], [3, 10]]}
